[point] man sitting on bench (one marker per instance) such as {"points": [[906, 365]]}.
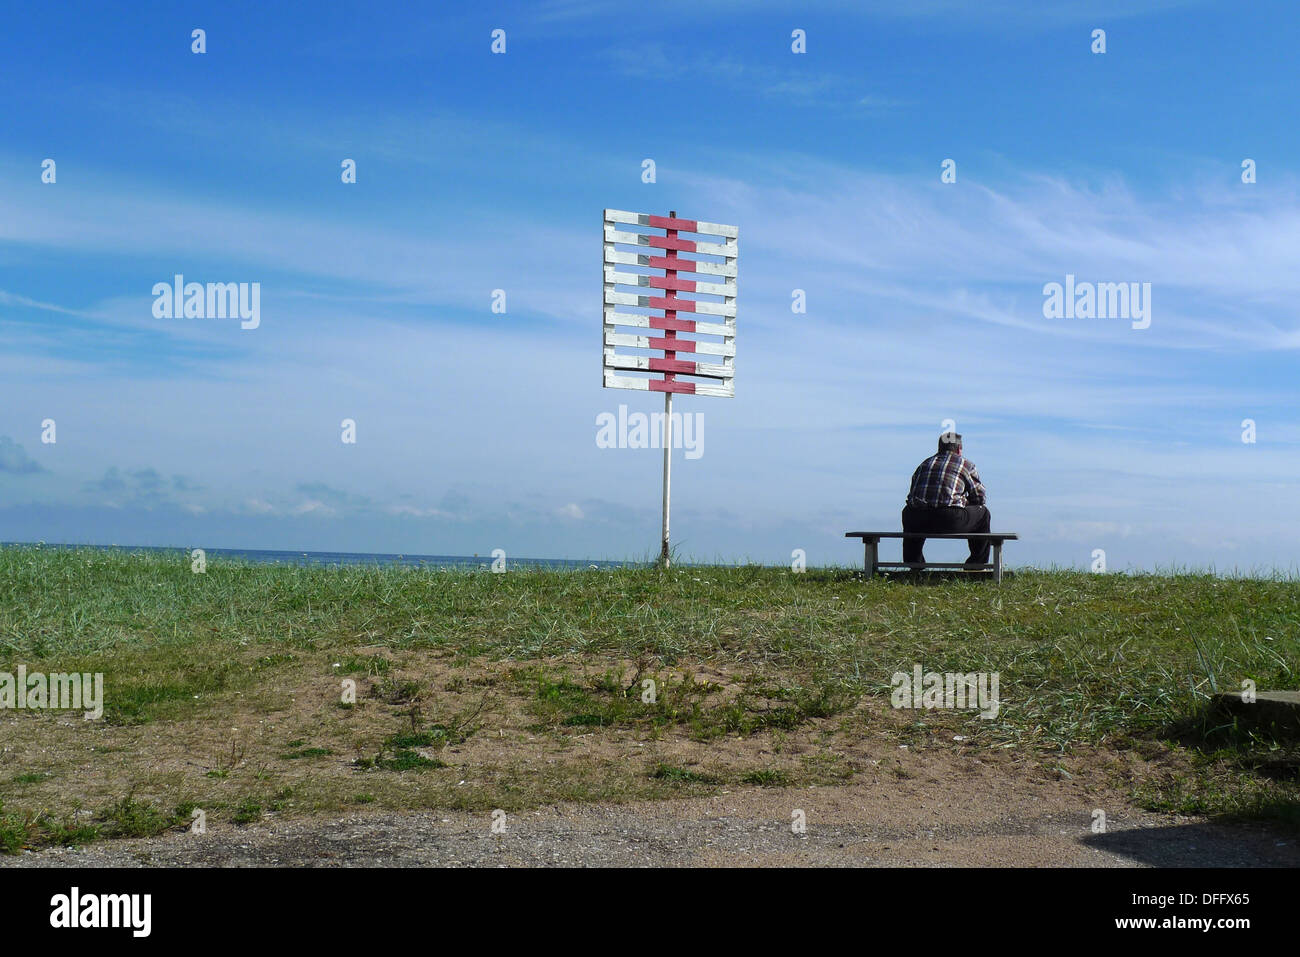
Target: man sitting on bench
{"points": [[946, 496]]}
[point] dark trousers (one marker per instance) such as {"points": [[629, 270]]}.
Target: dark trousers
{"points": [[957, 518]]}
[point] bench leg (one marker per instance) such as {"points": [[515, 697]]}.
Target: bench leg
{"points": [[997, 561], [869, 558]]}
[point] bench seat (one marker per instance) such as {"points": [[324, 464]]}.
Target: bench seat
{"points": [[871, 546]]}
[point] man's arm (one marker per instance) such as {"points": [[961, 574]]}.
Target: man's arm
{"points": [[975, 492], [917, 488]]}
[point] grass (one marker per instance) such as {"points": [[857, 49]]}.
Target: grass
{"points": [[474, 689], [126, 817]]}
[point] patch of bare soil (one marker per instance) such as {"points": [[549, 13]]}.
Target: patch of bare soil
{"points": [[577, 795]]}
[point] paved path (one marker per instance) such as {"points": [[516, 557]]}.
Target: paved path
{"points": [[852, 825]]}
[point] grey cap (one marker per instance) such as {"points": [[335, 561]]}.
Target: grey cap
{"points": [[949, 441]]}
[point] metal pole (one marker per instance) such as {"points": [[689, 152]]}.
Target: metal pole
{"points": [[668, 471], [669, 334]]}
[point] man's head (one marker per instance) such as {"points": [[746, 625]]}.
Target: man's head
{"points": [[950, 442]]}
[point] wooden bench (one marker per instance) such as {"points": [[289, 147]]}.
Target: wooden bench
{"points": [[872, 563]]}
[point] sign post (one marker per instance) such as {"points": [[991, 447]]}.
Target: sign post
{"points": [[712, 295], [668, 474]]}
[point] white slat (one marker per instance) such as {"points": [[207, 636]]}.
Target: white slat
{"points": [[615, 360], [701, 328], [643, 342], [614, 255], [712, 308], [612, 275], [701, 227], [711, 269], [621, 216], [623, 298], [613, 235], [625, 382], [725, 390], [717, 229], [702, 308], [716, 288], [717, 249]]}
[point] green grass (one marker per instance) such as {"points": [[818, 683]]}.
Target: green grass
{"points": [[306, 753], [400, 759], [1117, 662], [13, 832], [561, 699], [127, 817], [248, 812], [132, 818], [766, 777]]}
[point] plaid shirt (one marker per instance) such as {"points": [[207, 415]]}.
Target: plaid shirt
{"points": [[946, 479]]}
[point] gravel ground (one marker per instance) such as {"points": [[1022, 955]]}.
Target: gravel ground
{"points": [[857, 825]]}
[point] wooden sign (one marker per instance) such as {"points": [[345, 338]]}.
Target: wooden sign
{"points": [[694, 338]]}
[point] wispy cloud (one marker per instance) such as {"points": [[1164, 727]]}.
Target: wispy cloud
{"points": [[984, 251], [712, 73], [14, 459]]}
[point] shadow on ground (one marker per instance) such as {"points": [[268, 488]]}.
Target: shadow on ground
{"points": [[1198, 845]]}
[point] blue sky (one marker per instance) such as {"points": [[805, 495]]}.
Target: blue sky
{"points": [[479, 171]]}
